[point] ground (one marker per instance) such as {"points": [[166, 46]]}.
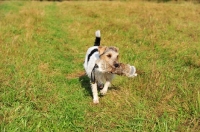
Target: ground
{"points": [[42, 82]]}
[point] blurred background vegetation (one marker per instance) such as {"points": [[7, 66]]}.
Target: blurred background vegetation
{"points": [[195, 1]]}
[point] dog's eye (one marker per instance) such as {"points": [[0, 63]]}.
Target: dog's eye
{"points": [[109, 55]]}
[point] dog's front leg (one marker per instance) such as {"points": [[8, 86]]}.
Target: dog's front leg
{"points": [[105, 88], [95, 93]]}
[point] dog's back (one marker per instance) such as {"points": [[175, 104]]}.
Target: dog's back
{"points": [[92, 54]]}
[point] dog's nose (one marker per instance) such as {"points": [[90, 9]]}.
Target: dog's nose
{"points": [[116, 65]]}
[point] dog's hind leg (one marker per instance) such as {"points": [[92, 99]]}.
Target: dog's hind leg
{"points": [[105, 88], [100, 85], [95, 93]]}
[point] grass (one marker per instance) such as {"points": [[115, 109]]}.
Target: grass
{"points": [[42, 49]]}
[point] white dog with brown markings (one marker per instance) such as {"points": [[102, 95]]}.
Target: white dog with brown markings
{"points": [[100, 64]]}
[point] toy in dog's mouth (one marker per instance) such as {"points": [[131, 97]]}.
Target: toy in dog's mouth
{"points": [[125, 70], [121, 69]]}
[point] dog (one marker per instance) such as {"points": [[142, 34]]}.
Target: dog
{"points": [[99, 62]]}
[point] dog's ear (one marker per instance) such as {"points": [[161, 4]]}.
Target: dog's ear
{"points": [[101, 49]]}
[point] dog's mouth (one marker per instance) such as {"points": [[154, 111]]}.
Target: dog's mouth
{"points": [[115, 64], [108, 67]]}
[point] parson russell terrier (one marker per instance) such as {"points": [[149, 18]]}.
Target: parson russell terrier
{"points": [[99, 64]]}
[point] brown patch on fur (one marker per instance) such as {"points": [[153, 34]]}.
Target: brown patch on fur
{"points": [[109, 56], [105, 58], [101, 49]]}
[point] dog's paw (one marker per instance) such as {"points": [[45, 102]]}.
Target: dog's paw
{"points": [[103, 92], [95, 101]]}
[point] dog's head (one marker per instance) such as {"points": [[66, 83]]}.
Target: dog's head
{"points": [[109, 55]]}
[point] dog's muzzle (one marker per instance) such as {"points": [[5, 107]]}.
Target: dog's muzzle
{"points": [[116, 65]]}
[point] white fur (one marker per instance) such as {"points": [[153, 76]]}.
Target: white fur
{"points": [[98, 34], [89, 65], [95, 93]]}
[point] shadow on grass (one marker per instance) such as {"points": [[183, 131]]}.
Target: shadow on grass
{"points": [[85, 83]]}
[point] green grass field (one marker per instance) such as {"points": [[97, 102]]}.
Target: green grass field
{"points": [[42, 49]]}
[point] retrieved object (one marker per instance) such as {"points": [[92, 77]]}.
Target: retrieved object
{"points": [[125, 70]]}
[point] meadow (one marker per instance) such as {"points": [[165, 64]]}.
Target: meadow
{"points": [[42, 82]]}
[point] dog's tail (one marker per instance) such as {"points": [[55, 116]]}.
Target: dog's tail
{"points": [[98, 38]]}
